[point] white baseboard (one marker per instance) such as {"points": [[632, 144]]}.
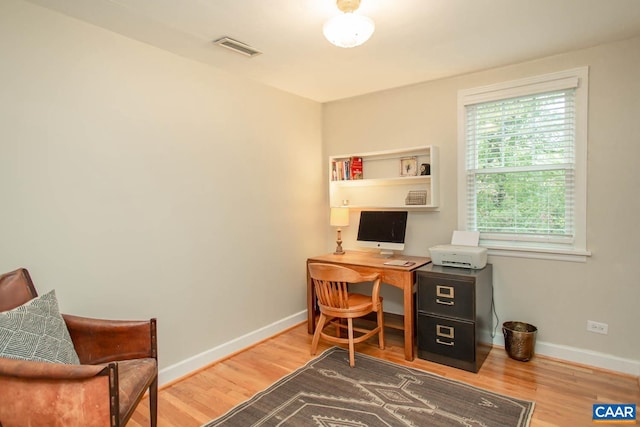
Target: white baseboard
{"points": [[187, 366], [582, 356], [562, 352]]}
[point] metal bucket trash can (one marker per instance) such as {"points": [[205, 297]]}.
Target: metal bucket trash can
{"points": [[519, 340]]}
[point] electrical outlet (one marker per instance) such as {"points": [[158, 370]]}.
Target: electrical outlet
{"points": [[597, 327]]}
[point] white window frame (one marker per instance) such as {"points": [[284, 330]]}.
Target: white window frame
{"points": [[576, 249]]}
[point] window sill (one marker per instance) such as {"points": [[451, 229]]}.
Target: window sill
{"points": [[571, 255]]}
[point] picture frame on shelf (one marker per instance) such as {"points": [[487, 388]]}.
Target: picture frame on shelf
{"points": [[409, 166]]}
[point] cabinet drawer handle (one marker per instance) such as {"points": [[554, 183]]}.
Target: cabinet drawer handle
{"points": [[439, 301], [450, 344]]}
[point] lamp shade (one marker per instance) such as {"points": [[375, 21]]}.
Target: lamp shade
{"points": [[348, 29], [339, 217]]}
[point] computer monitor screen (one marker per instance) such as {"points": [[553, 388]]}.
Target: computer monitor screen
{"points": [[384, 230]]}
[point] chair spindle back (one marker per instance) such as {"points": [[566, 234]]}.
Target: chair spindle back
{"points": [[332, 293]]}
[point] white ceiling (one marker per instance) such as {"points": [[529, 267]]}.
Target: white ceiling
{"points": [[415, 40]]}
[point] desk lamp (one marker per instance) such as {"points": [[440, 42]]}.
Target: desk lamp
{"points": [[339, 218]]}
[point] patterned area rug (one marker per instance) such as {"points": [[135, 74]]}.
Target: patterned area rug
{"points": [[326, 392]]}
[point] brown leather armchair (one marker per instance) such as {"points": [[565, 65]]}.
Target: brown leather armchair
{"points": [[118, 364]]}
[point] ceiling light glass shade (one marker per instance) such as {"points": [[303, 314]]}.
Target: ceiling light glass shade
{"points": [[348, 30]]}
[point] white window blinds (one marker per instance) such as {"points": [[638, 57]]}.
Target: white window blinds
{"points": [[520, 166]]}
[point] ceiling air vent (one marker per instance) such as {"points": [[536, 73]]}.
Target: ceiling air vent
{"points": [[237, 46]]}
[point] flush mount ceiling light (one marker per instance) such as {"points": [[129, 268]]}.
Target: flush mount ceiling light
{"points": [[348, 29]]}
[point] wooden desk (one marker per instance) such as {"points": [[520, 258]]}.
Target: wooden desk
{"points": [[366, 263]]}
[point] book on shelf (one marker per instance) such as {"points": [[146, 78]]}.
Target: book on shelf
{"points": [[356, 167], [346, 169], [341, 170]]}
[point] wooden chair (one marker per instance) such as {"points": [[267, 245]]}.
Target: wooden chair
{"points": [[336, 303], [118, 364]]}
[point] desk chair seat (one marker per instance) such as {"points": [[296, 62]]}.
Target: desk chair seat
{"points": [[336, 303]]}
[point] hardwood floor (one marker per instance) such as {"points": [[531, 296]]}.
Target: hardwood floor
{"points": [[564, 393]]}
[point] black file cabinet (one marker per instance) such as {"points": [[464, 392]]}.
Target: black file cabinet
{"points": [[455, 321]]}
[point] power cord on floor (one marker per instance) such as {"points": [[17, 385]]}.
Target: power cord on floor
{"points": [[493, 308]]}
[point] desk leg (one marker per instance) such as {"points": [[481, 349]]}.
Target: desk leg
{"points": [[311, 304], [409, 314]]}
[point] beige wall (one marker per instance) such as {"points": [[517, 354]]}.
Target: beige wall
{"points": [[138, 183], [557, 297]]}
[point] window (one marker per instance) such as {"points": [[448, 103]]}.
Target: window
{"points": [[522, 167]]}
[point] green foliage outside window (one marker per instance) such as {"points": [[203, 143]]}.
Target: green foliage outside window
{"points": [[523, 203], [522, 164]]}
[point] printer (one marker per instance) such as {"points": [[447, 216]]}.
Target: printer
{"points": [[463, 251], [459, 256]]}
